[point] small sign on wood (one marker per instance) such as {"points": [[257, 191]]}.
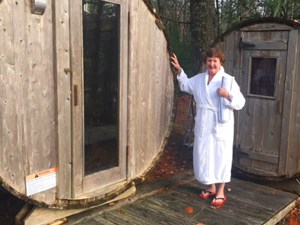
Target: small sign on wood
{"points": [[41, 181]]}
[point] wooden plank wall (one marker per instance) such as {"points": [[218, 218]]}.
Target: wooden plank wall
{"points": [[292, 143], [288, 134], [26, 95], [150, 95]]}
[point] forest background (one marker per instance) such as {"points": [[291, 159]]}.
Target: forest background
{"points": [[193, 25]]}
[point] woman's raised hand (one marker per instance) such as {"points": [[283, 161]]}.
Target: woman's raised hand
{"points": [[175, 63]]}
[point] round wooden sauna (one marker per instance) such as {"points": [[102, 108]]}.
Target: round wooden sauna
{"points": [[263, 55], [86, 98]]}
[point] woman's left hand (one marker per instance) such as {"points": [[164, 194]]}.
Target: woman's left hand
{"points": [[223, 92]]}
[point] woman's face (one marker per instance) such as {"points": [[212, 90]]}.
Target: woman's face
{"points": [[213, 65]]}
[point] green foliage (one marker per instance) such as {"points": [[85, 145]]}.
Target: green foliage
{"points": [[181, 46], [287, 9], [235, 11], [176, 15]]}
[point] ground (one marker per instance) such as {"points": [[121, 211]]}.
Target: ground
{"points": [[175, 159]]}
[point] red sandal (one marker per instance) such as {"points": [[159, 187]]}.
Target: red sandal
{"points": [[206, 194], [216, 203]]}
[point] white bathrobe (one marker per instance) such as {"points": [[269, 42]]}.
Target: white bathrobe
{"points": [[213, 142]]}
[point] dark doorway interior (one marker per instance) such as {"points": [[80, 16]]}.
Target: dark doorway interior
{"points": [[101, 84]]}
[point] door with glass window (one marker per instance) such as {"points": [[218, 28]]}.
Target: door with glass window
{"points": [[263, 66], [99, 82]]}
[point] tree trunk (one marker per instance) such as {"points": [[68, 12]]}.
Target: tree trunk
{"points": [[203, 29]]}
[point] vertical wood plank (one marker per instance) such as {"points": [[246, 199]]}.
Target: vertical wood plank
{"points": [[76, 42], [123, 93], [132, 83], [63, 96], [288, 162]]}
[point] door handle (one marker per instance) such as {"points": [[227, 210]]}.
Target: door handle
{"points": [[280, 106], [75, 95]]}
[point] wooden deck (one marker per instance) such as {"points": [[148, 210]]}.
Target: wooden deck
{"points": [[165, 203]]}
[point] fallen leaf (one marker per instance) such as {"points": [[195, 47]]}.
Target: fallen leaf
{"points": [[189, 210], [293, 218]]}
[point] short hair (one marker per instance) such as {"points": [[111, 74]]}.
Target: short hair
{"points": [[214, 52]]}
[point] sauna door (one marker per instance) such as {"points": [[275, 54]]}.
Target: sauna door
{"points": [[99, 81], [258, 136]]}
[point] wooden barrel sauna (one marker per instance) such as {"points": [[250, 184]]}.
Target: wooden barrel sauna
{"points": [[263, 55], [86, 98]]}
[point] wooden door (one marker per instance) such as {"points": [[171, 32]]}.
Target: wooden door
{"points": [[259, 124], [99, 93]]}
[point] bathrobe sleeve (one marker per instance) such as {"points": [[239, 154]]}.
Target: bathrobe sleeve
{"points": [[185, 84], [237, 99]]}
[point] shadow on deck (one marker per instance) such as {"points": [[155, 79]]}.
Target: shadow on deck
{"points": [[165, 201]]}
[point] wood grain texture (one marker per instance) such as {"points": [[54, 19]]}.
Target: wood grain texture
{"points": [[264, 142], [27, 92], [248, 203], [41, 63], [150, 76]]}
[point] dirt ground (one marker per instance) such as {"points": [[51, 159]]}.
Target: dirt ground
{"points": [[175, 159]]}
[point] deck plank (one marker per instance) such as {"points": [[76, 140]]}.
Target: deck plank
{"points": [[248, 204], [101, 221], [202, 210]]}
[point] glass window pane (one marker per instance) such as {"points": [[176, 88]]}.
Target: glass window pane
{"points": [[101, 25], [263, 72]]}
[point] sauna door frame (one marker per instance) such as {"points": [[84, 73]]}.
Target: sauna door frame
{"points": [[101, 182]]}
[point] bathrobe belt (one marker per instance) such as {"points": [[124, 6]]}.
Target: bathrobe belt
{"points": [[201, 130]]}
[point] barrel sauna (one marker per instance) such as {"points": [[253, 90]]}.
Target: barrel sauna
{"points": [[86, 98], [263, 56]]}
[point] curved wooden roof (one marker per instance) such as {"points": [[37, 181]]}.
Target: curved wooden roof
{"points": [[249, 22]]}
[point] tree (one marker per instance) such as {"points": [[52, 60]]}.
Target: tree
{"points": [[192, 25], [203, 21], [234, 11], [175, 16], [288, 9]]}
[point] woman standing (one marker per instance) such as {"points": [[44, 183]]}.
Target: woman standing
{"points": [[214, 122]]}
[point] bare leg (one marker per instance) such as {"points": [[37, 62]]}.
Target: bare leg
{"points": [[210, 191], [212, 188], [220, 190], [220, 198]]}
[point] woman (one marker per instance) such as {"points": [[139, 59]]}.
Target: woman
{"points": [[213, 141]]}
